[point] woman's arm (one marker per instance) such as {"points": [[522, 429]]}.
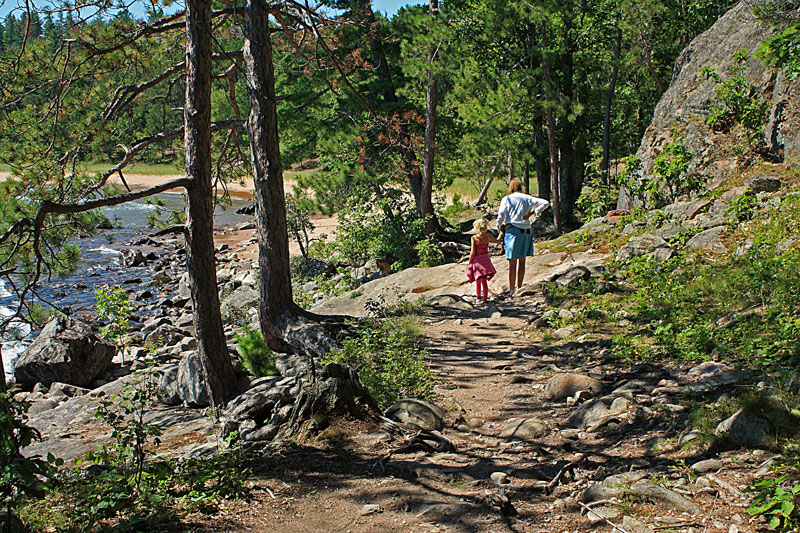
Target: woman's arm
{"points": [[502, 213], [539, 205]]}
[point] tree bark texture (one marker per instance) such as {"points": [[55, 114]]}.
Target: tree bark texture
{"points": [[485, 190], [541, 158], [526, 176], [426, 204], [604, 164], [275, 288], [551, 138], [212, 348]]}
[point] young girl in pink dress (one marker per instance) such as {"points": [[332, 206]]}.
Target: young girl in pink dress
{"points": [[480, 268]]}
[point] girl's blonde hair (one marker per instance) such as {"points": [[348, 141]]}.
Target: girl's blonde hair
{"points": [[514, 186], [481, 226]]}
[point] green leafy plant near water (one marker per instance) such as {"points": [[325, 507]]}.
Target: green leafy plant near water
{"points": [[388, 358], [385, 230], [429, 254], [115, 307]]}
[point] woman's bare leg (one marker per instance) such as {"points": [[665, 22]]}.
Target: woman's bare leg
{"points": [[521, 271], [512, 273]]}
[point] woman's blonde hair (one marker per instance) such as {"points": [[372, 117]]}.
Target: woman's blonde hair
{"points": [[514, 186], [481, 226]]}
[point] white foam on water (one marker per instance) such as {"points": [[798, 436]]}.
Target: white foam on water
{"points": [[4, 292], [15, 341], [142, 206], [105, 250]]}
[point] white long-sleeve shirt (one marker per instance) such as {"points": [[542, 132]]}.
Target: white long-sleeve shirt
{"points": [[516, 205]]}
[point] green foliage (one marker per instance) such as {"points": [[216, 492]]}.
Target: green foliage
{"points": [[386, 230], [692, 307], [783, 51], [740, 102], [115, 307], [254, 353], [429, 254], [777, 500], [131, 434], [19, 475], [743, 206], [671, 178], [173, 489], [298, 220], [630, 178], [163, 217], [597, 198], [389, 361]]}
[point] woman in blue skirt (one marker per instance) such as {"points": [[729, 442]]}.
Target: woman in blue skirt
{"points": [[516, 209]]}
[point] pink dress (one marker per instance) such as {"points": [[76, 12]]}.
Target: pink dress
{"points": [[481, 266]]}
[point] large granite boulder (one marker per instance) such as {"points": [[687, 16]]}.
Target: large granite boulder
{"points": [[66, 351], [682, 109]]}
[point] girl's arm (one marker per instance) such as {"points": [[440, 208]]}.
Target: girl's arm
{"points": [[492, 238], [472, 250]]}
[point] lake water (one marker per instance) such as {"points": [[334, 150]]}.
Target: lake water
{"points": [[101, 264]]}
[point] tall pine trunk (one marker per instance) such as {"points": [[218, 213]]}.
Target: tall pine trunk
{"points": [[212, 348], [555, 184], [426, 200], [604, 164], [275, 289]]}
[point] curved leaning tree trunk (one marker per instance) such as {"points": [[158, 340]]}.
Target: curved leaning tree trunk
{"points": [[284, 325], [212, 348]]}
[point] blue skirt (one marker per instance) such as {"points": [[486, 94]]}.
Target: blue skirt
{"points": [[518, 243]]}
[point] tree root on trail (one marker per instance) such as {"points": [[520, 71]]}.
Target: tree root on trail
{"points": [[337, 392], [420, 440]]}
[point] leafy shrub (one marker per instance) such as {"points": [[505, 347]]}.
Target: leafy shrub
{"points": [[385, 230], [131, 434], [783, 51], [740, 101], [19, 475], [115, 307], [631, 179], [298, 220], [777, 500], [429, 254], [671, 178], [743, 206], [389, 362], [596, 198], [254, 353]]}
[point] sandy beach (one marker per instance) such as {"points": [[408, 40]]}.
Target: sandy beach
{"points": [[322, 225]]}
